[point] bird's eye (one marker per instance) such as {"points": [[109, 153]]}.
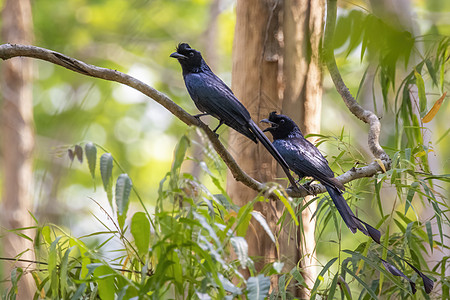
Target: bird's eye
{"points": [[191, 54], [281, 122]]}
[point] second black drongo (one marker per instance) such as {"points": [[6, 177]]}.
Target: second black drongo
{"points": [[213, 97], [306, 160]]}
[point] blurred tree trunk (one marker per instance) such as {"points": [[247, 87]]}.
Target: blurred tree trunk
{"points": [[276, 67], [17, 137]]}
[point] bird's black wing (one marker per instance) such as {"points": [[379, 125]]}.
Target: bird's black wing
{"points": [[305, 159], [211, 95]]}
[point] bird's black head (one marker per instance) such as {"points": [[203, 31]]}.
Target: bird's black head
{"points": [[190, 59], [281, 126]]}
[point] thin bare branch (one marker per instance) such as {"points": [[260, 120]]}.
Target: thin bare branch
{"points": [[361, 113]]}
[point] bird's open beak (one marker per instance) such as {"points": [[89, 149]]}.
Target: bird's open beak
{"points": [[274, 125], [178, 55]]}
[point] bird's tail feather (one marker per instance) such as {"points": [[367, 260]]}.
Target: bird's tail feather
{"points": [[352, 222], [268, 145]]}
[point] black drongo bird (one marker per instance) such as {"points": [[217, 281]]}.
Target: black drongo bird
{"points": [[306, 160], [213, 97]]}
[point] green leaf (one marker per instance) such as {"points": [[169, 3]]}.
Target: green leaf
{"points": [[332, 289], [105, 282], [287, 205], [91, 156], [262, 221], [422, 96], [240, 247], [368, 289], [123, 189], [106, 166], [320, 277], [410, 195], [430, 234], [180, 152], [140, 229], [63, 273], [258, 287]]}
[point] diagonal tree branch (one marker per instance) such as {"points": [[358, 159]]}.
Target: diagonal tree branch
{"points": [[361, 113], [8, 51]]}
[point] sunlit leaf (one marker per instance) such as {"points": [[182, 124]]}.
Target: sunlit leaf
{"points": [[422, 95], [105, 282], [380, 163], [434, 110], [288, 206], [140, 229]]}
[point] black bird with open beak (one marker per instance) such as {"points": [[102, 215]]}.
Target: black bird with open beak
{"points": [[306, 160]]}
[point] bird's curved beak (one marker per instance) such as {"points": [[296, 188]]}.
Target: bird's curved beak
{"points": [[274, 125], [177, 55]]}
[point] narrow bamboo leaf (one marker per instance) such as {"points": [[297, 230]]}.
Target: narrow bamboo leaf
{"points": [[429, 234], [410, 195], [63, 273], [381, 164], [79, 153], [258, 287], [240, 247], [442, 71], [434, 110], [287, 205], [262, 221], [123, 189], [140, 229], [431, 71], [422, 96], [91, 156], [320, 277], [106, 166]]}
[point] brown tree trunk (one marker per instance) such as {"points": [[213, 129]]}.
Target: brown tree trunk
{"points": [[276, 67], [17, 138]]}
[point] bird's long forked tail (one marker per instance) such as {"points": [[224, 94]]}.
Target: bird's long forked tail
{"points": [[268, 145], [352, 222]]}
